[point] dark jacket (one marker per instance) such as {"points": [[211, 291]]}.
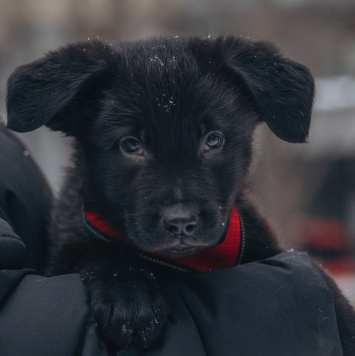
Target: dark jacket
{"points": [[280, 306]]}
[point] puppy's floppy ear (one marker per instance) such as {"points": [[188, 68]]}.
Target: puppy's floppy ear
{"points": [[282, 90], [44, 91]]}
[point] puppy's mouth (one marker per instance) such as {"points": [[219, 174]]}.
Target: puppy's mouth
{"points": [[181, 250], [181, 247]]}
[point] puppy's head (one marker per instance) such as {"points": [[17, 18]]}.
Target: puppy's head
{"points": [[163, 127]]}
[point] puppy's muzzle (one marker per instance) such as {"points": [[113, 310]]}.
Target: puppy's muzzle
{"points": [[179, 219]]}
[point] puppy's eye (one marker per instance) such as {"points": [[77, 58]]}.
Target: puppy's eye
{"points": [[132, 146], [213, 140]]}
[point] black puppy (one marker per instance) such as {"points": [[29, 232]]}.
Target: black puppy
{"points": [[163, 134]]}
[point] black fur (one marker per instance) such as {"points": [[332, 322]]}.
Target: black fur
{"points": [[163, 133]]}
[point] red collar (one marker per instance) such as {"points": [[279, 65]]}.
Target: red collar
{"points": [[224, 255]]}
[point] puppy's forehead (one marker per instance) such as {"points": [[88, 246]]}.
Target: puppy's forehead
{"points": [[162, 83]]}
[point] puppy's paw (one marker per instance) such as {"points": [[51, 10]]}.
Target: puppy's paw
{"points": [[128, 308]]}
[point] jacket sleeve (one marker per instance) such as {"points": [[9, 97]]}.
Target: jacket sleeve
{"points": [[38, 315], [280, 306]]}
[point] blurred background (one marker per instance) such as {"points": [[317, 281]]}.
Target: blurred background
{"points": [[308, 189]]}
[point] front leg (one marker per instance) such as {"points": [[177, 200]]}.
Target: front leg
{"points": [[127, 305], [124, 297]]}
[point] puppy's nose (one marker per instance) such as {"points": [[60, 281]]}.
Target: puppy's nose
{"points": [[179, 219]]}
